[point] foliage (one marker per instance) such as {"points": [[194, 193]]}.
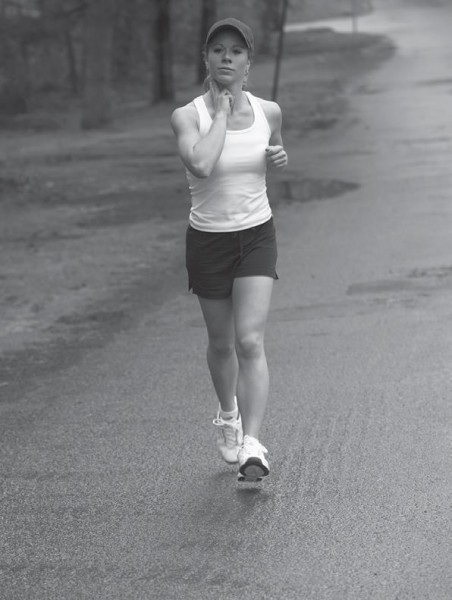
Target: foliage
{"points": [[43, 46]]}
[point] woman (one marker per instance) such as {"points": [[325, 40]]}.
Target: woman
{"points": [[226, 138]]}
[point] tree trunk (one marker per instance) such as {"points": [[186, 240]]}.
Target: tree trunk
{"points": [[72, 64], [14, 65], [270, 23], [123, 39], [208, 17], [97, 48], [162, 88]]}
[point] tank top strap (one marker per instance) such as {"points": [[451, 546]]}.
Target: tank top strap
{"points": [[205, 120], [259, 113]]}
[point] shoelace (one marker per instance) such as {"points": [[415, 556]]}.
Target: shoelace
{"points": [[229, 429]]}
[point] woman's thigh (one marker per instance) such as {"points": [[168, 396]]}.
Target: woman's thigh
{"points": [[219, 320], [251, 297]]}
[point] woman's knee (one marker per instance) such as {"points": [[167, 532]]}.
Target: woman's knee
{"points": [[221, 347], [250, 345]]}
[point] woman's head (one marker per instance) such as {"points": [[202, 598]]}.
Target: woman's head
{"points": [[228, 51], [233, 24]]}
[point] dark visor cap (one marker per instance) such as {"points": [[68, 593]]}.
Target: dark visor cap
{"points": [[232, 23]]}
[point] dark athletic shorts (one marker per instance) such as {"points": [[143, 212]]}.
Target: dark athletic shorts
{"points": [[214, 260]]}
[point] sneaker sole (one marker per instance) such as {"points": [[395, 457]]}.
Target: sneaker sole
{"points": [[253, 470]]}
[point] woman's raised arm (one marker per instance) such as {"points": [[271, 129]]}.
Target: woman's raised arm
{"points": [[200, 154]]}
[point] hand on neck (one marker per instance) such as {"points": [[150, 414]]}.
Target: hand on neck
{"points": [[238, 97]]}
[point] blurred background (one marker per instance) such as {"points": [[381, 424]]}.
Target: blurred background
{"points": [[63, 55], [93, 197]]}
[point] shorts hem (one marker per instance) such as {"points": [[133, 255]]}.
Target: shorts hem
{"points": [[271, 275], [223, 296], [208, 296]]}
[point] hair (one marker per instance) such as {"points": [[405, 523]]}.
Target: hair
{"points": [[206, 83]]}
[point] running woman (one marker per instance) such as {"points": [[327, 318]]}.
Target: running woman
{"points": [[226, 138]]}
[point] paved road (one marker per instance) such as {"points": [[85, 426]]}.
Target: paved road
{"points": [[111, 486]]}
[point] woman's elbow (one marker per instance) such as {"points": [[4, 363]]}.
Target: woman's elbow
{"points": [[200, 170]]}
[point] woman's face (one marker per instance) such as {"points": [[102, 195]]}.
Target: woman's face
{"points": [[227, 57]]}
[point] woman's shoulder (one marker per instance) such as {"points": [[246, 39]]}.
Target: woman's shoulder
{"points": [[271, 109], [186, 110], [184, 117], [264, 102], [184, 114]]}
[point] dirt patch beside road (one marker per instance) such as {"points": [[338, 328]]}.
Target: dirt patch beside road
{"points": [[92, 223]]}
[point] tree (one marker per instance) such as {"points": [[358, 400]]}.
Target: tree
{"points": [[18, 31], [125, 31], [161, 51], [208, 17], [280, 49], [60, 18], [97, 51], [270, 23]]}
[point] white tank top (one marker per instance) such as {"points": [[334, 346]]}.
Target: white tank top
{"points": [[234, 196]]}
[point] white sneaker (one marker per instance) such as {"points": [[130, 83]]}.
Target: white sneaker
{"points": [[230, 437], [253, 464]]}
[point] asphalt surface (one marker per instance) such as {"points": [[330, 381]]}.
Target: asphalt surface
{"points": [[111, 486]]}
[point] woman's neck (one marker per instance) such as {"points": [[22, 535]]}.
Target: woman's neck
{"points": [[240, 99]]}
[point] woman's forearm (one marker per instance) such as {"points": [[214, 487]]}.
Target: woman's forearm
{"points": [[208, 149]]}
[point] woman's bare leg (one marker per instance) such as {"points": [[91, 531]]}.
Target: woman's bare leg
{"points": [[251, 298], [221, 354]]}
